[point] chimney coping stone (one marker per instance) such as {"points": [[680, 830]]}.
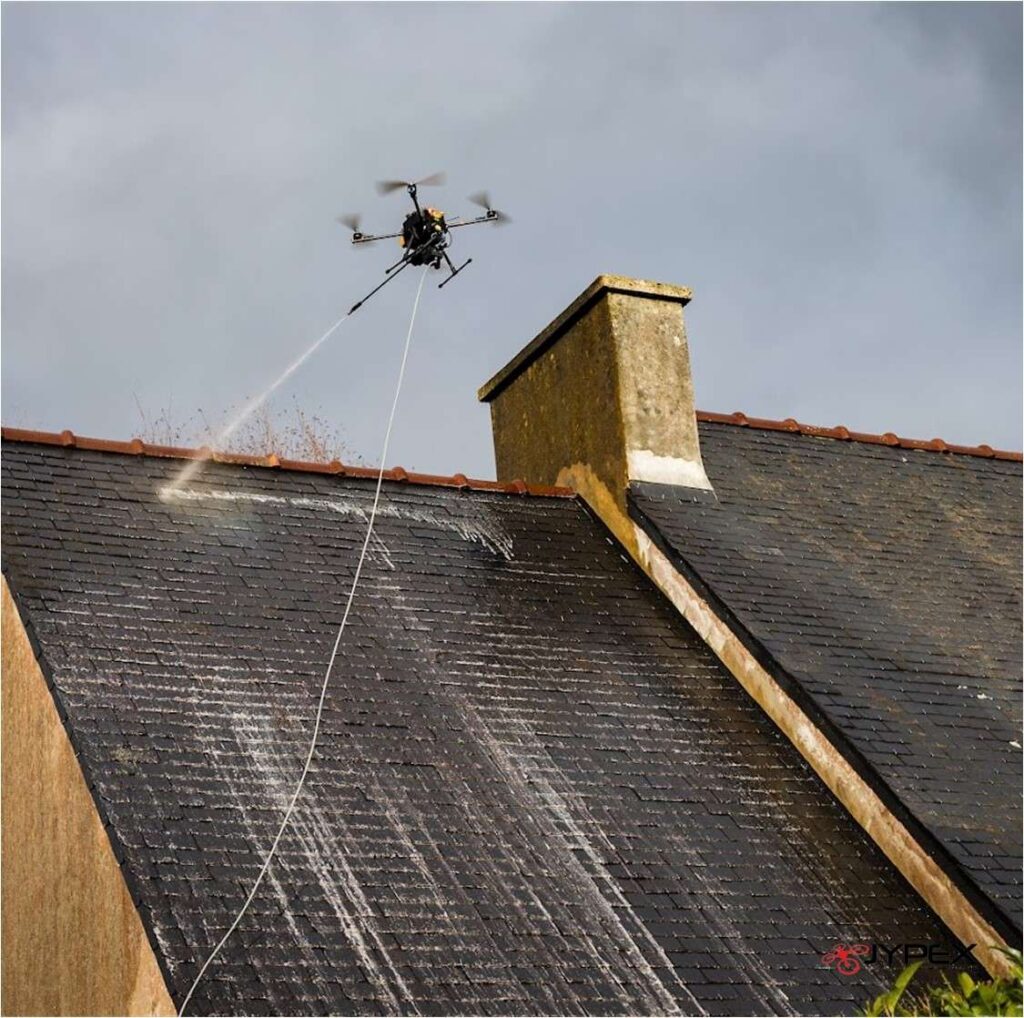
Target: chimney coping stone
{"points": [[581, 305]]}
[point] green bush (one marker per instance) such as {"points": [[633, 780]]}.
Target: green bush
{"points": [[991, 997]]}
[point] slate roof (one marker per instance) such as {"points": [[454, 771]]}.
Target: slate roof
{"points": [[884, 585], [537, 790]]}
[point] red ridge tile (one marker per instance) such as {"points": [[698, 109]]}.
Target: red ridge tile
{"points": [[136, 447], [844, 434]]}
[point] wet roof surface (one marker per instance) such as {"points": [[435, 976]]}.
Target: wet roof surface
{"points": [[887, 583], [537, 791]]}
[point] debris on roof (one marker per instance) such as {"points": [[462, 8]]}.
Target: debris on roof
{"points": [[136, 447]]}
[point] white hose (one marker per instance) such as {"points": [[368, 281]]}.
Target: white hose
{"points": [[330, 663]]}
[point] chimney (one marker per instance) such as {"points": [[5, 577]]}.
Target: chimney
{"points": [[603, 396]]}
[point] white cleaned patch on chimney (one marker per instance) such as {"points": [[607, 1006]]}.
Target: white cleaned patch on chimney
{"points": [[644, 465]]}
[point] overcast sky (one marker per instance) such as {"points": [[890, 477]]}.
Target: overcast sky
{"points": [[840, 186]]}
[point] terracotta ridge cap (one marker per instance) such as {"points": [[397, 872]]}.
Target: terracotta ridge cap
{"points": [[136, 447], [844, 434]]}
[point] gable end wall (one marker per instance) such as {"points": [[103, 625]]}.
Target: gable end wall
{"points": [[73, 942]]}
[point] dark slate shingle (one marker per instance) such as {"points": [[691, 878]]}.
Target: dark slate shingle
{"points": [[887, 584], [537, 791]]}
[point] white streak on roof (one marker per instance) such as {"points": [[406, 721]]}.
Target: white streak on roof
{"points": [[615, 932], [478, 531], [275, 772]]}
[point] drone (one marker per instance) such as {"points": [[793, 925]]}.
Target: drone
{"points": [[426, 232]]}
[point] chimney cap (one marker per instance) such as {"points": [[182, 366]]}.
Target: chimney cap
{"points": [[604, 284]]}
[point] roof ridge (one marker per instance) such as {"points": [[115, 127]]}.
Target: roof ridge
{"points": [[136, 447], [844, 434]]}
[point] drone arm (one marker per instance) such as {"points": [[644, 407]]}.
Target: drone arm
{"points": [[471, 222], [368, 238]]}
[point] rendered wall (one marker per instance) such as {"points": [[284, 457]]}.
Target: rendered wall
{"points": [[73, 942]]}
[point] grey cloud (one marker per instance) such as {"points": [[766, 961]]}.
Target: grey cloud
{"points": [[839, 183]]}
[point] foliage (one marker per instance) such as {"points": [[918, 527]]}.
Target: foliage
{"points": [[965, 997], [887, 1003]]}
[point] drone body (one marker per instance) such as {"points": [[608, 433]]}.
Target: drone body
{"points": [[425, 233]]}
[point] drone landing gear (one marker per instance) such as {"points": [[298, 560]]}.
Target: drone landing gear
{"points": [[404, 262], [454, 271]]}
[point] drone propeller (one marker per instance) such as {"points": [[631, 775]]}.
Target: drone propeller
{"points": [[387, 186], [351, 221], [483, 199]]}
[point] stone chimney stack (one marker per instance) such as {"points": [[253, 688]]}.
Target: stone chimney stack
{"points": [[602, 397]]}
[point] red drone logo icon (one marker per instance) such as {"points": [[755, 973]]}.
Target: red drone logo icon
{"points": [[845, 958]]}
